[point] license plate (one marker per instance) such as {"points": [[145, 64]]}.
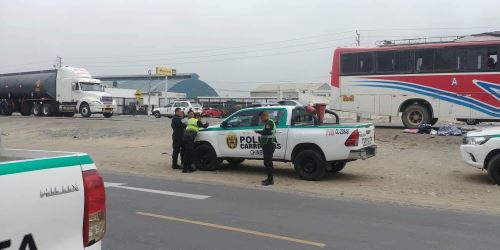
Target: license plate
{"points": [[366, 141]]}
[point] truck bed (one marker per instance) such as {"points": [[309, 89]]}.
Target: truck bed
{"points": [[7, 155]]}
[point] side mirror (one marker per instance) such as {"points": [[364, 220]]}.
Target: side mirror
{"points": [[224, 124]]}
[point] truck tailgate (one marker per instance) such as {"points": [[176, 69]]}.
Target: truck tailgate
{"points": [[42, 201]]}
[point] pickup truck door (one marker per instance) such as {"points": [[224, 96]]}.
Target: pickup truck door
{"points": [[239, 139]]}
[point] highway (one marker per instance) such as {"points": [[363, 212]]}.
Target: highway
{"points": [[152, 213]]}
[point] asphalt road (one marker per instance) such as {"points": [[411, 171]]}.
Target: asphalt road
{"points": [[150, 213]]}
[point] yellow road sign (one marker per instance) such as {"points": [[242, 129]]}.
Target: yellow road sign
{"points": [[138, 94], [164, 71]]}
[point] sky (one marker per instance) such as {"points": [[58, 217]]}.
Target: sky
{"points": [[233, 45]]}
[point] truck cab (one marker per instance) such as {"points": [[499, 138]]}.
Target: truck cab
{"points": [[88, 93]]}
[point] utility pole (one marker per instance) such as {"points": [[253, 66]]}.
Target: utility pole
{"points": [[358, 43], [358, 39], [149, 92], [58, 62]]}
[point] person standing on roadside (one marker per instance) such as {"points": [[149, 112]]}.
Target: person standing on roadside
{"points": [[193, 125], [177, 136], [267, 141]]}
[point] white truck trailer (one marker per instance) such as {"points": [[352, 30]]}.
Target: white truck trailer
{"points": [[64, 91]]}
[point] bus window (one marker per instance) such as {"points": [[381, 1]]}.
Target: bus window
{"points": [[424, 60], [446, 60], [365, 62], [492, 61], [471, 59], [386, 62], [348, 64], [357, 64], [404, 61]]}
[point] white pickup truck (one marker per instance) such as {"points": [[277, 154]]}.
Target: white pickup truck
{"points": [[50, 200], [481, 149], [169, 109], [313, 149]]}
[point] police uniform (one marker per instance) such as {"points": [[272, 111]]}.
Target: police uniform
{"points": [[192, 128], [268, 143], [177, 137]]}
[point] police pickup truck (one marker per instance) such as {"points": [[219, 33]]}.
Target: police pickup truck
{"points": [[50, 200], [314, 149], [481, 149]]}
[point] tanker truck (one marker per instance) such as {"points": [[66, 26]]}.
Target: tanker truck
{"points": [[58, 92]]}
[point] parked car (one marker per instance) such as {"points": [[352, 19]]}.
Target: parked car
{"points": [[481, 149], [212, 112], [169, 110]]}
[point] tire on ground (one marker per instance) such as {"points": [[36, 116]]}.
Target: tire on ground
{"points": [[415, 115], [336, 166], [235, 161], [157, 114], [205, 157], [26, 108], [5, 108], [494, 169], [47, 109], [36, 109], [85, 110], [310, 165]]}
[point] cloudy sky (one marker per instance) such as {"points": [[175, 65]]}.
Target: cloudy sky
{"points": [[232, 44]]}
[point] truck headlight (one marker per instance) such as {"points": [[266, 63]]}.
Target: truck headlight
{"points": [[96, 102], [475, 140]]}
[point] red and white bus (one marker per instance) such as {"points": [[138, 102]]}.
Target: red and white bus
{"points": [[424, 82]]}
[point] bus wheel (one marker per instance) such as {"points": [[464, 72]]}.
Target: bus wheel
{"points": [[415, 115], [471, 122]]}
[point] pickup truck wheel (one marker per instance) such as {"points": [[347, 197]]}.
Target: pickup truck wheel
{"points": [[235, 161], [157, 114], [310, 165], [336, 166], [107, 115], [205, 158], [494, 169]]}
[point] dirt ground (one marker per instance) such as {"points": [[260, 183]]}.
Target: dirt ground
{"points": [[421, 170]]}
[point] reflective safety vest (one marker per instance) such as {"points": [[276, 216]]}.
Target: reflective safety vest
{"points": [[266, 139], [192, 125]]}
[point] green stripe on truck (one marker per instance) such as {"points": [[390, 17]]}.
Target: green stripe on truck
{"points": [[45, 163]]}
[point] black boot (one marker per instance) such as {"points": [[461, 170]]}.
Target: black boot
{"points": [[267, 182]]}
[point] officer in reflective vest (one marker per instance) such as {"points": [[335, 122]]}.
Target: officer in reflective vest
{"points": [[268, 143], [193, 125]]}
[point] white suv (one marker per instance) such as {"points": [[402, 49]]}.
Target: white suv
{"points": [[169, 110], [481, 149]]}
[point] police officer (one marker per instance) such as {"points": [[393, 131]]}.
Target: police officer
{"points": [[193, 125], [178, 127], [268, 143]]}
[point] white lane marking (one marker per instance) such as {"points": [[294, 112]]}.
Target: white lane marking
{"points": [[154, 191]]}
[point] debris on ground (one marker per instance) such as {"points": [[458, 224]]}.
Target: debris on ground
{"points": [[449, 129]]}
